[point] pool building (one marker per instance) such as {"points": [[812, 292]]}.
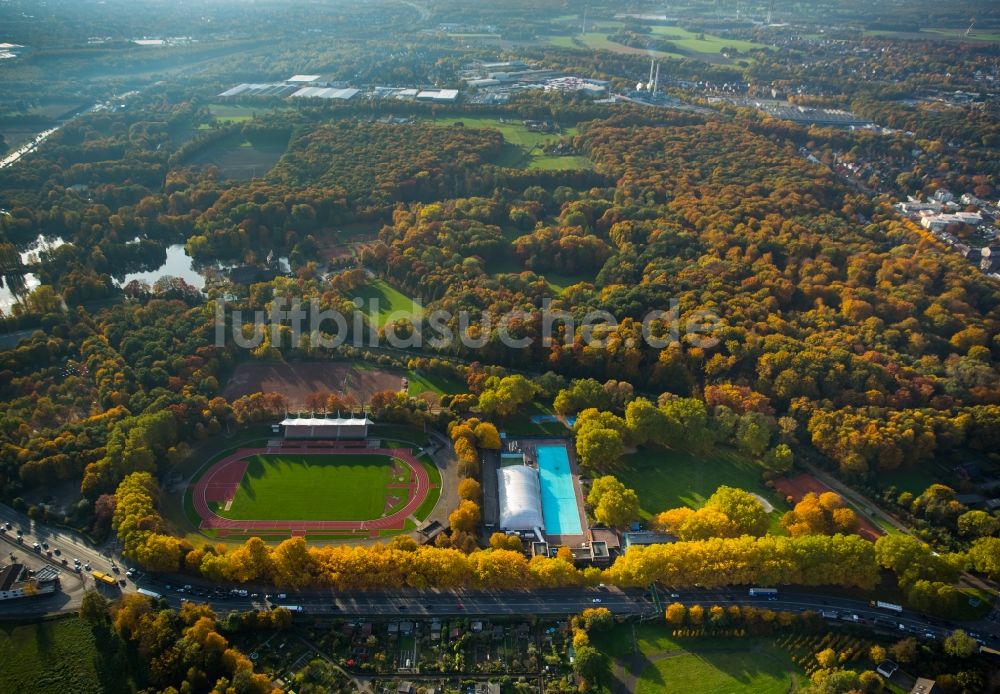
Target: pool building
{"points": [[539, 492]]}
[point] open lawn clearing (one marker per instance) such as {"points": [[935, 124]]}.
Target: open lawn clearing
{"points": [[240, 160], [229, 113], [657, 661], [387, 301], [762, 670], [437, 384], [668, 479], [523, 147], [60, 656], [314, 487]]}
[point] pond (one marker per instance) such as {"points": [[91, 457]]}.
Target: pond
{"points": [[16, 285], [177, 264]]}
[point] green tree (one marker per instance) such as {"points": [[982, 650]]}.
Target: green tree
{"points": [[985, 556], [599, 448], [960, 644], [614, 504], [94, 607], [977, 524], [590, 664], [742, 508]]}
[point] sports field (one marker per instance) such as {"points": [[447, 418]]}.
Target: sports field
{"points": [[344, 489], [315, 487]]}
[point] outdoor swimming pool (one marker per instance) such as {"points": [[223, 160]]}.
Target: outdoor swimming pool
{"points": [[559, 507]]}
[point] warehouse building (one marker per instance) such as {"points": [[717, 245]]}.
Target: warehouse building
{"points": [[445, 95]]}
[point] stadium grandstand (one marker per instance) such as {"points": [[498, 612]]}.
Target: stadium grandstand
{"points": [[326, 427]]}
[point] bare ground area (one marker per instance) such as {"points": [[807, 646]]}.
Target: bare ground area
{"points": [[297, 380]]}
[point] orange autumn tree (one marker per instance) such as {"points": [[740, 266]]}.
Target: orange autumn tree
{"points": [[820, 514]]}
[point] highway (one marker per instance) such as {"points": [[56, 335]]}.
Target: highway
{"points": [[425, 603]]}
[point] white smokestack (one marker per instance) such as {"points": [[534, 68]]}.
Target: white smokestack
{"points": [[650, 82], [656, 80]]}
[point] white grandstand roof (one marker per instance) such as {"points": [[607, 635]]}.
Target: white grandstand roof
{"points": [[326, 421], [302, 78], [520, 498]]}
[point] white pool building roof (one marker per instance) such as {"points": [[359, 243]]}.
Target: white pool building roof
{"points": [[520, 498]]}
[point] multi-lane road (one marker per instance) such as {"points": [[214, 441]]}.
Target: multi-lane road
{"points": [[414, 602]]}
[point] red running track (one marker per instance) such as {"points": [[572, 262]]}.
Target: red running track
{"points": [[222, 481]]}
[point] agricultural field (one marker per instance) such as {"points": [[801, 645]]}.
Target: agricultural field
{"points": [[668, 479], [702, 43], [239, 160], [598, 40], [230, 113], [522, 147], [315, 487], [59, 656]]}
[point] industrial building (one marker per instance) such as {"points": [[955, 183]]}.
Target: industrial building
{"points": [[325, 93], [278, 90], [445, 95], [520, 498], [332, 428]]}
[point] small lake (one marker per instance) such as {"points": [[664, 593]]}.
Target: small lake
{"points": [[177, 264], [19, 285]]}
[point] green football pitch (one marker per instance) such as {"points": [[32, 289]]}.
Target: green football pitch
{"points": [[316, 487]]}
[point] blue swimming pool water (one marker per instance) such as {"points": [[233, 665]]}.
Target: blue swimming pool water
{"points": [[559, 507]]}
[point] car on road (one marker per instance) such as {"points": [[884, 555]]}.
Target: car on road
{"points": [[37, 547], [596, 600], [8, 525], [20, 540], [87, 566], [675, 596], [281, 596], [459, 606], [48, 552], [64, 562]]}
